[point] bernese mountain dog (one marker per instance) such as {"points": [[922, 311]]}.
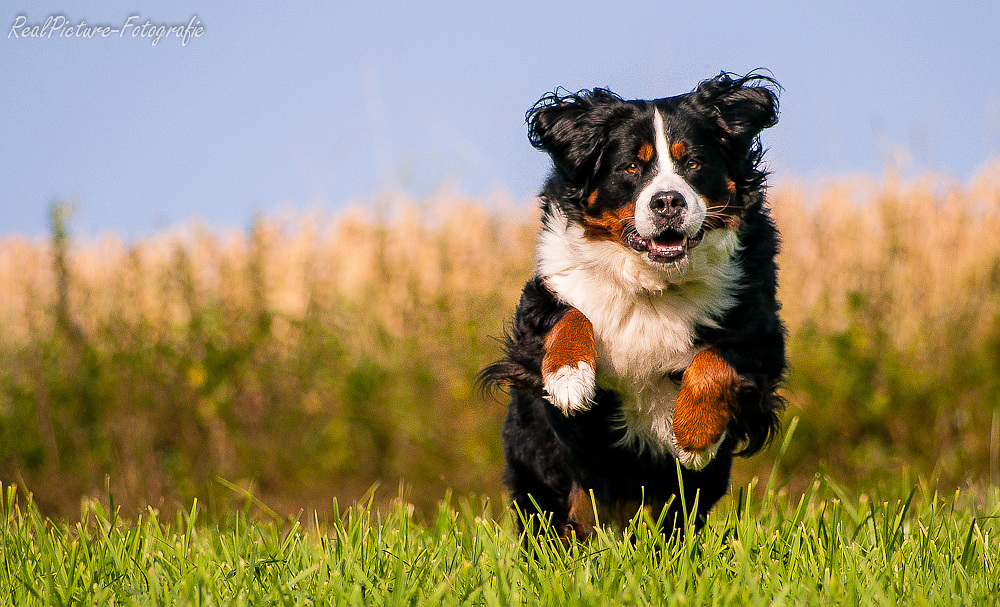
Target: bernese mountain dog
{"points": [[650, 333]]}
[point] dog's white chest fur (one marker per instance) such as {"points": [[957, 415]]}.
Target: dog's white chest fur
{"points": [[644, 316]]}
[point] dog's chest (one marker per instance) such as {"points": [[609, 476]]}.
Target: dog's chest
{"points": [[645, 327], [642, 340], [639, 346]]}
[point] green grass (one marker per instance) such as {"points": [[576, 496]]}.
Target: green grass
{"points": [[824, 548]]}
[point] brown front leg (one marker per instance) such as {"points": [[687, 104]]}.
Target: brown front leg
{"points": [[706, 403], [570, 363]]}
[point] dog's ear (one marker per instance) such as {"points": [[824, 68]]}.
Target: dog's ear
{"points": [[571, 128], [743, 106]]}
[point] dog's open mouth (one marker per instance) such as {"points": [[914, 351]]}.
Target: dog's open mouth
{"points": [[667, 246]]}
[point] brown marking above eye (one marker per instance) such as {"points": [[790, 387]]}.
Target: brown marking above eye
{"points": [[645, 152], [678, 150], [592, 199], [731, 186]]}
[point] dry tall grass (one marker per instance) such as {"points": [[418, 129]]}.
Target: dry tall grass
{"points": [[316, 354], [892, 299]]}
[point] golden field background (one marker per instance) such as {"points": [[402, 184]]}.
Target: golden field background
{"points": [[313, 355]]}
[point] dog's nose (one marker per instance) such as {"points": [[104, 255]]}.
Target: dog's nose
{"points": [[667, 203]]}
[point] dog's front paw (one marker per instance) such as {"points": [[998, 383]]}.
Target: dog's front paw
{"points": [[696, 460], [570, 388], [570, 363], [704, 407]]}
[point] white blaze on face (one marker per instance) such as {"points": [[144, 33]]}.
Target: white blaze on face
{"points": [[665, 180]]}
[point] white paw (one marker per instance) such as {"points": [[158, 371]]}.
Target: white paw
{"points": [[696, 460], [571, 389]]}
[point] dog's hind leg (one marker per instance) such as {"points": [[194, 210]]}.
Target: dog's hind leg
{"points": [[537, 472]]}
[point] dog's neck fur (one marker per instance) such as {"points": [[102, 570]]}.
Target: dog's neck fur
{"points": [[645, 317]]}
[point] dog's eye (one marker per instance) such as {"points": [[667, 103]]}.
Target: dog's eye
{"points": [[691, 165], [632, 168]]}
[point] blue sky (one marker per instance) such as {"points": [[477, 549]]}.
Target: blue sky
{"points": [[302, 105]]}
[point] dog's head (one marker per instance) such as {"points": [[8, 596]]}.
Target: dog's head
{"points": [[656, 177]]}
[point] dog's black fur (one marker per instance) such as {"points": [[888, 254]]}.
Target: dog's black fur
{"points": [[592, 138]]}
